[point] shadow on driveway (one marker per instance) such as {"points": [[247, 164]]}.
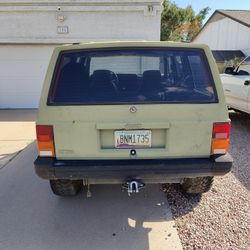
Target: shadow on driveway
{"points": [[33, 218]]}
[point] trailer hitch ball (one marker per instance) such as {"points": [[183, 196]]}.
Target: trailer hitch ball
{"points": [[133, 186]]}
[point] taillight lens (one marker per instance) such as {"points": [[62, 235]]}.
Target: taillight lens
{"points": [[45, 140], [220, 140]]}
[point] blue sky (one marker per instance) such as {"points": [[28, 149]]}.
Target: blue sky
{"points": [[214, 4]]}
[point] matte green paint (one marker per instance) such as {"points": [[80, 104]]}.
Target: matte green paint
{"points": [[86, 132]]}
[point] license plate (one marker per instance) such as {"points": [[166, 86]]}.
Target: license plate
{"points": [[132, 138]]}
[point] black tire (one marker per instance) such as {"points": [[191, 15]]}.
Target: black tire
{"points": [[197, 185], [65, 187]]}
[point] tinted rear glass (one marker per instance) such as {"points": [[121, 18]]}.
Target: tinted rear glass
{"points": [[153, 75]]}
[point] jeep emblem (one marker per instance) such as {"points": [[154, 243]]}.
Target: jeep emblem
{"points": [[133, 109]]}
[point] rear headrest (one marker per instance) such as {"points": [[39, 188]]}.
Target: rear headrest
{"points": [[102, 81], [102, 75], [151, 80], [154, 75]]}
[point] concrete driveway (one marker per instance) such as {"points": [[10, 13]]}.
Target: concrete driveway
{"points": [[17, 130], [31, 217]]}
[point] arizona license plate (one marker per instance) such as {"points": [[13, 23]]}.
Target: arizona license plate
{"points": [[132, 138]]}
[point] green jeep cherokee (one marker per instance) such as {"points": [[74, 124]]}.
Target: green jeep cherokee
{"points": [[132, 113]]}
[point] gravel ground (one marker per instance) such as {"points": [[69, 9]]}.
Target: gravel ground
{"points": [[219, 219]]}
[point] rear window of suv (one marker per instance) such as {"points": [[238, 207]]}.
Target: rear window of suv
{"points": [[120, 76]]}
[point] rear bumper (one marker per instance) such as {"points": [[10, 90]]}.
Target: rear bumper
{"points": [[154, 170]]}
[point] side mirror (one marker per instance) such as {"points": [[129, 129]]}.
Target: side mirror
{"points": [[229, 70]]}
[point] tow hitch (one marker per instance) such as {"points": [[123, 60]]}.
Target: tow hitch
{"points": [[133, 186]]}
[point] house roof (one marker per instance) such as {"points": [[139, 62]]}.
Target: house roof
{"points": [[225, 55], [240, 16]]}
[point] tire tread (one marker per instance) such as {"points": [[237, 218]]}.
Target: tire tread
{"points": [[65, 187], [197, 185]]}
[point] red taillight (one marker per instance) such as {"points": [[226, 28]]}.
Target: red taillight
{"points": [[220, 140], [45, 140], [221, 130]]}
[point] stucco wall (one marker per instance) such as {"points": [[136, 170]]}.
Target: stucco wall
{"points": [[74, 21]]}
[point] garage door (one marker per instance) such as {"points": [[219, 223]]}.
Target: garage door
{"points": [[22, 71]]}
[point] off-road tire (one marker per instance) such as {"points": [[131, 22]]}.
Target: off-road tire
{"points": [[197, 185], [65, 187]]}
